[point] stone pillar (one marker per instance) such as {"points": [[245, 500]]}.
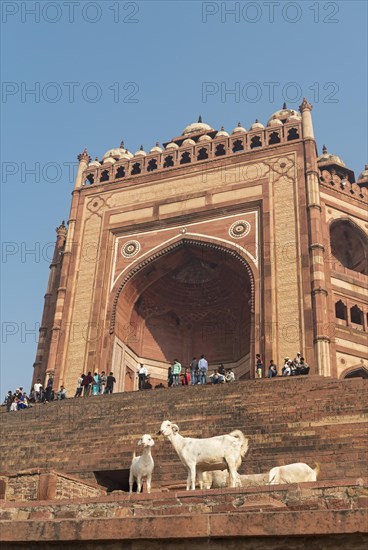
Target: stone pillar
{"points": [[306, 111], [47, 315], [53, 366], [322, 352]]}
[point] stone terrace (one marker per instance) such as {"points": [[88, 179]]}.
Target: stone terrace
{"points": [[308, 419], [305, 419]]}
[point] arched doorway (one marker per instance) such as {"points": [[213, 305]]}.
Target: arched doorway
{"points": [[192, 298], [356, 372], [349, 245]]}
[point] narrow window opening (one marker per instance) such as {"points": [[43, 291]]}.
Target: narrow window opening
{"points": [[169, 161], [238, 146], [356, 315], [136, 169], [255, 142], [341, 310], [274, 138], [120, 173], [152, 165], [292, 134], [202, 154], [104, 176], [185, 158], [220, 150]]}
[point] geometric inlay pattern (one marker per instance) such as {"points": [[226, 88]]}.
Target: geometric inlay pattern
{"points": [[239, 229], [130, 249]]}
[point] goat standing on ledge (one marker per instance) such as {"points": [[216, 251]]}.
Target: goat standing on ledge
{"points": [[142, 466], [214, 453]]}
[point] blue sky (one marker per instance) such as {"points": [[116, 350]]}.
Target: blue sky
{"points": [[141, 71]]}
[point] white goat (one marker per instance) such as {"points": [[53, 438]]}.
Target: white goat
{"points": [[219, 479], [293, 473], [214, 453], [142, 466]]}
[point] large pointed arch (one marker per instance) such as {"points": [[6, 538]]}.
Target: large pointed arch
{"points": [[157, 307], [167, 249]]}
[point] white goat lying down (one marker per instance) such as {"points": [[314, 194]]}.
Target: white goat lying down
{"points": [[214, 453], [142, 466], [218, 479], [293, 473]]}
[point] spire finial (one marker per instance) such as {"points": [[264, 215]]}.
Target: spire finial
{"points": [[122, 144], [200, 118], [61, 230], [84, 156], [324, 150], [222, 129], [305, 105], [141, 148], [157, 144], [239, 125], [284, 105], [256, 121]]}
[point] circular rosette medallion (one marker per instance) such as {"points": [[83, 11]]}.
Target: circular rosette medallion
{"points": [[239, 229], [130, 249]]}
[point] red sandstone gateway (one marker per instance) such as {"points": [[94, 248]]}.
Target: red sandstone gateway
{"points": [[228, 244]]}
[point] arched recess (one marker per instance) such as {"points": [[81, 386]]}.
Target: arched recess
{"points": [[358, 371], [349, 245], [188, 298]]}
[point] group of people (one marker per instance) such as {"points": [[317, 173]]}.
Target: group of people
{"points": [[291, 367], [197, 373], [19, 400], [97, 384]]}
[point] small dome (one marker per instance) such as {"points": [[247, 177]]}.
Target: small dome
{"points": [[116, 153], [293, 118], [284, 113], [274, 122], [364, 174], [196, 127], [257, 125], [188, 142], [239, 128], [126, 156], [95, 163], [172, 145], [328, 157], [140, 152], [222, 132], [204, 138], [156, 148], [109, 160]]}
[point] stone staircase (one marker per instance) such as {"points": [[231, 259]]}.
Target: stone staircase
{"points": [[302, 419]]}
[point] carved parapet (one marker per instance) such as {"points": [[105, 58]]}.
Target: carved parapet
{"points": [[332, 180], [219, 148]]}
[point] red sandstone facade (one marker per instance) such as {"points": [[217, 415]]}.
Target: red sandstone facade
{"points": [[227, 245]]}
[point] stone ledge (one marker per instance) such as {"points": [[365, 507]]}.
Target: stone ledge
{"points": [[246, 524]]}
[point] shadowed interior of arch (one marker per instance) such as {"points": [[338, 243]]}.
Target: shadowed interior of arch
{"points": [[349, 245], [192, 300]]}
